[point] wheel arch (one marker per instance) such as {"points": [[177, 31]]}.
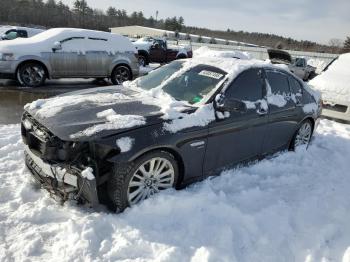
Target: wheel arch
{"points": [[33, 60], [145, 54], [175, 154], [181, 56], [313, 122], [122, 63], [132, 156]]}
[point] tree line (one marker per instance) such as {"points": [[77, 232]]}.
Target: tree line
{"points": [[53, 13]]}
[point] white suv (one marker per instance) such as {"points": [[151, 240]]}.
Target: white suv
{"points": [[68, 53]]}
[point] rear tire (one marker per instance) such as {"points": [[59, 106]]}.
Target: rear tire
{"points": [[303, 135], [31, 74], [121, 74], [131, 183]]}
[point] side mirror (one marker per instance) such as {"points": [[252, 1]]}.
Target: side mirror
{"points": [[230, 105], [56, 46]]}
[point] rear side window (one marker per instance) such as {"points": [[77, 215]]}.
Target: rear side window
{"points": [[22, 33], [248, 86], [295, 86], [278, 82]]}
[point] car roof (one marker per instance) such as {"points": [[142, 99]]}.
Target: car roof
{"points": [[233, 66]]}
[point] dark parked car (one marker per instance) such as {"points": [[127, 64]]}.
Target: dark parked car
{"points": [[181, 123]]}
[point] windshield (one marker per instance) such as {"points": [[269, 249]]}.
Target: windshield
{"points": [[190, 86]]}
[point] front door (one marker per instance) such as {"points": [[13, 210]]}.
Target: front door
{"points": [[239, 136], [70, 61]]}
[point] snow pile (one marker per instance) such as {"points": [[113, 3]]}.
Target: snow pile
{"points": [[294, 207], [205, 51], [88, 173], [49, 107], [114, 121], [125, 144], [334, 83]]}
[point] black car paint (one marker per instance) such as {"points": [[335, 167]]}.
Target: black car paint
{"points": [[200, 151]]}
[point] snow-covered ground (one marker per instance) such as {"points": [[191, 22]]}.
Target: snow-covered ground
{"points": [[293, 207]]}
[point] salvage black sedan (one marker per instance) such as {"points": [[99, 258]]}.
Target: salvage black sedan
{"points": [[181, 123]]}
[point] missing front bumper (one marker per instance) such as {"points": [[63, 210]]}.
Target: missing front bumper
{"points": [[62, 184]]}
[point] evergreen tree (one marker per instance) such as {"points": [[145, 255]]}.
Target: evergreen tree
{"points": [[346, 48]]}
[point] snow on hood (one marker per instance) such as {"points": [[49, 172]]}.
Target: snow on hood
{"points": [[205, 51], [88, 112], [334, 83]]}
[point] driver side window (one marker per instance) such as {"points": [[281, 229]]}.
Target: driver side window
{"points": [[73, 44], [248, 86]]}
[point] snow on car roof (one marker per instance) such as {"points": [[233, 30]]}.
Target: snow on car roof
{"points": [[69, 31], [205, 51], [44, 41], [230, 65], [334, 83]]}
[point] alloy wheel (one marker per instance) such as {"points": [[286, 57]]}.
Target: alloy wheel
{"points": [[304, 135], [33, 75], [142, 61], [121, 74], [150, 177]]}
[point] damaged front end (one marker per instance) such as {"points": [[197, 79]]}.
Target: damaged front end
{"points": [[59, 165]]}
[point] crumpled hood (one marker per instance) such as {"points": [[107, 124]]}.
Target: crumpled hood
{"points": [[74, 112]]}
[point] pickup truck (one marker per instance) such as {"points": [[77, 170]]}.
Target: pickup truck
{"points": [[157, 50], [301, 68], [298, 66]]}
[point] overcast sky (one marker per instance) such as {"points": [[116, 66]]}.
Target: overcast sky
{"points": [[315, 20]]}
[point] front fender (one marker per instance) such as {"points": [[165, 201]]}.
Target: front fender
{"points": [[40, 59]]}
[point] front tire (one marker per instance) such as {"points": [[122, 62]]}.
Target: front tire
{"points": [[142, 60], [121, 74], [141, 179], [303, 135], [31, 74]]}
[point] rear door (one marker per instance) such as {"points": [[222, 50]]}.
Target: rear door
{"points": [[239, 136], [283, 113], [70, 61], [98, 56]]}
